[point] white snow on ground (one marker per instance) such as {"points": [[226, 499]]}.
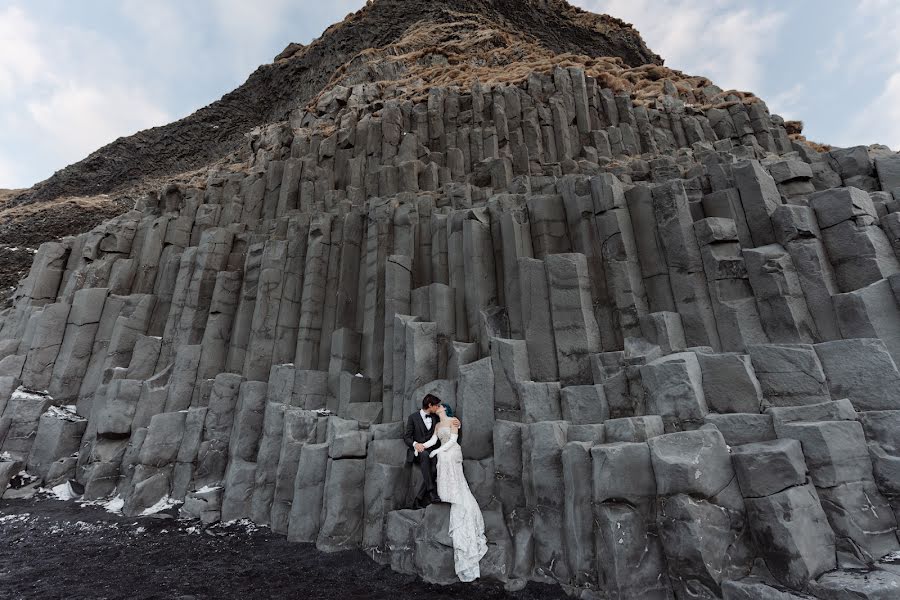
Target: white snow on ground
{"points": [[161, 505], [13, 518], [115, 505], [245, 524], [63, 492], [891, 558]]}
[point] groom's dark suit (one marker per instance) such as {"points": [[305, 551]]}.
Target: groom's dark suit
{"points": [[417, 431]]}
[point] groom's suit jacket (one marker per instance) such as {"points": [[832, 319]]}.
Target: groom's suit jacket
{"points": [[416, 431]]}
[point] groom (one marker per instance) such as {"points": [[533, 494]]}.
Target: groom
{"points": [[419, 429]]}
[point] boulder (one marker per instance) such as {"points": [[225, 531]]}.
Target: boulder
{"points": [[691, 462], [791, 532], [766, 468], [835, 451]]}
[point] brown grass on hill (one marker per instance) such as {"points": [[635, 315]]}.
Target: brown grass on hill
{"points": [[8, 194], [464, 52]]}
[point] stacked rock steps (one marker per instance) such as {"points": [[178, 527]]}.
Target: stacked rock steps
{"points": [[671, 334]]}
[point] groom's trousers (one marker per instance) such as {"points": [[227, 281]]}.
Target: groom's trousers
{"points": [[428, 467]]}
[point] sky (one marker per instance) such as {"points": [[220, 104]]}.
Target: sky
{"points": [[74, 76]]}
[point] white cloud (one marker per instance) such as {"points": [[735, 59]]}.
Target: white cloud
{"points": [[21, 61], [879, 119], [721, 39], [64, 92], [8, 176], [789, 103]]}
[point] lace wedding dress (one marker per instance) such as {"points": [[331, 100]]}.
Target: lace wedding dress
{"points": [[466, 521]]}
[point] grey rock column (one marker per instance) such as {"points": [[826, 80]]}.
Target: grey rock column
{"points": [[859, 251], [314, 284], [737, 319], [481, 291], [217, 333], [537, 321], [78, 342], [45, 344], [689, 286], [242, 450], [574, 325], [542, 449], [796, 229], [578, 513]]}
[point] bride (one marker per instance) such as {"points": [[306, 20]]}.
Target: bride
{"points": [[466, 521]]}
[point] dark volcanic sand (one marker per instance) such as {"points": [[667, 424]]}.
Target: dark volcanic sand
{"points": [[51, 549]]}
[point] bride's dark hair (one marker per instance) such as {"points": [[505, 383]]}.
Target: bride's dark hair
{"points": [[448, 409]]}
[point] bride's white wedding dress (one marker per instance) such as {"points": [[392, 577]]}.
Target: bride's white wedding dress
{"points": [[466, 521]]}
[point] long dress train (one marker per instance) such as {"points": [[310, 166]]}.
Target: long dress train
{"points": [[466, 520]]}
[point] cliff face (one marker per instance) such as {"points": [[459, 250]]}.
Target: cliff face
{"points": [[670, 331]]}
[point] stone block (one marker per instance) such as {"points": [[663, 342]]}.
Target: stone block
{"points": [[836, 410], [633, 429], [863, 371], [622, 471], [351, 444], [729, 383], [540, 401], [779, 295], [508, 487], [674, 387], [742, 428], [835, 451], [691, 462], [665, 330], [204, 504], [536, 320], [871, 312], [704, 545], [58, 436], [163, 441], [344, 511], [630, 556], [584, 404], [856, 585], [882, 429], [475, 408], [399, 532], [759, 198], [766, 468], [248, 420], [575, 328], [117, 413], [792, 533], [433, 546], [309, 493], [841, 204], [510, 363], [542, 445], [864, 525], [789, 374]]}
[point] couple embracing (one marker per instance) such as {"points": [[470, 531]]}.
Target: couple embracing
{"points": [[432, 438]]}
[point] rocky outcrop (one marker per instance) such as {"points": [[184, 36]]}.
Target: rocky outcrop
{"points": [[671, 334]]}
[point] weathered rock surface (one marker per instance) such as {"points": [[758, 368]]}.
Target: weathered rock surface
{"points": [[671, 332]]}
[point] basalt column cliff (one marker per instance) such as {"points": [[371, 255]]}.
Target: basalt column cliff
{"points": [[669, 324]]}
